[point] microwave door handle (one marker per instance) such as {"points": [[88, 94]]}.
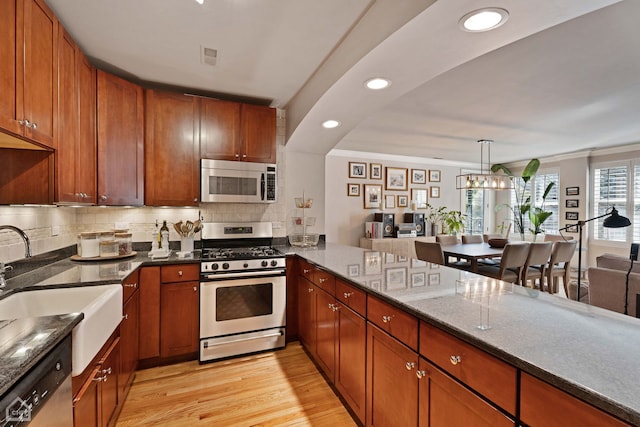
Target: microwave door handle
{"points": [[262, 186]]}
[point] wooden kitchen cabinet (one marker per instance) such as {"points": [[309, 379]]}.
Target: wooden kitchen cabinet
{"points": [[28, 70], [26, 176], [149, 327], [129, 341], [172, 162], [562, 408], [120, 141], [392, 384], [179, 321], [306, 313], [234, 131], [325, 326], [445, 402], [76, 150]]}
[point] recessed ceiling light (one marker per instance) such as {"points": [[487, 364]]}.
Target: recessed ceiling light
{"points": [[484, 19], [330, 124], [200, 1], [377, 83]]}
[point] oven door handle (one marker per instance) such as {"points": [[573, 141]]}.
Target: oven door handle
{"points": [[247, 274], [276, 334]]}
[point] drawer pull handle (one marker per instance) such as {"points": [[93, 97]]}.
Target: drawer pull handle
{"points": [[455, 359], [125, 317], [421, 374], [131, 285], [387, 319], [101, 379], [336, 307], [305, 270], [332, 306], [323, 279], [310, 290], [106, 371], [347, 294], [410, 365]]}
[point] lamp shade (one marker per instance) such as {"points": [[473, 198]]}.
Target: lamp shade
{"points": [[615, 220]]}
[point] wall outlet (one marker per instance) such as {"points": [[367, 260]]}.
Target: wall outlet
{"points": [[55, 230], [276, 225], [121, 226]]}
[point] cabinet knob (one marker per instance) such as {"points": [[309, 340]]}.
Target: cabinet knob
{"points": [[347, 294], [387, 319], [195, 200], [34, 125], [195, 288], [180, 273], [331, 306], [103, 197], [125, 317], [410, 365], [244, 156], [336, 307], [421, 374], [310, 290], [306, 270], [130, 285], [323, 279], [237, 156], [21, 122], [455, 359]]}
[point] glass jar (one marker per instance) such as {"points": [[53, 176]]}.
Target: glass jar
{"points": [[107, 236], [124, 243], [89, 245], [108, 248]]}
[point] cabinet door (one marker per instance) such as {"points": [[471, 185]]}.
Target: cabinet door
{"points": [[86, 149], [120, 141], [306, 313], [172, 166], [351, 348], [219, 129], [445, 402], [128, 343], [109, 370], [86, 405], [149, 328], [392, 385], [179, 322], [258, 132], [10, 83], [40, 73], [67, 164], [325, 332]]}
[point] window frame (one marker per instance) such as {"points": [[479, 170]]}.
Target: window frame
{"points": [[628, 206]]}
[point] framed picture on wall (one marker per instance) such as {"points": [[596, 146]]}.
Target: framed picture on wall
{"points": [[396, 178], [390, 201], [419, 196], [435, 192], [572, 191], [353, 190], [434, 175], [357, 170], [571, 216], [572, 203], [372, 196], [403, 201], [375, 171], [418, 176]]}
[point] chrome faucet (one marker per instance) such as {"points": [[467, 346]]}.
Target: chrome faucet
{"points": [[25, 238]]}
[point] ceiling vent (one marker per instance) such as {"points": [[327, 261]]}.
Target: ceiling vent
{"points": [[208, 56]]}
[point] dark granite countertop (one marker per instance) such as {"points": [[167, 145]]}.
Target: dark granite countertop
{"points": [[586, 351]]}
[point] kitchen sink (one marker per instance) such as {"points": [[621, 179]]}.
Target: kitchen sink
{"points": [[101, 306]]}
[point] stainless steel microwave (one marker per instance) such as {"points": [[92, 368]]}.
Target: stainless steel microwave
{"points": [[225, 181]]}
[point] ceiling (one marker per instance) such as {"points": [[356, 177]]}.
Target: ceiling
{"points": [[558, 77]]}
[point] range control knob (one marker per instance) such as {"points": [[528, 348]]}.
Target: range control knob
{"points": [[214, 266], [264, 263], [274, 263], [225, 266], [245, 265]]}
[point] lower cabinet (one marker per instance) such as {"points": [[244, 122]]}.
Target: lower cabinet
{"points": [[129, 343], [307, 314], [96, 402], [179, 322]]}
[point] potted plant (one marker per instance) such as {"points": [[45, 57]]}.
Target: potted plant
{"points": [[434, 217], [523, 206], [454, 222]]}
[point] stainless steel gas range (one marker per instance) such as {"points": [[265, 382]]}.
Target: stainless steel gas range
{"points": [[243, 290]]}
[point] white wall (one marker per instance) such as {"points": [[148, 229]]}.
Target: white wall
{"points": [[345, 216]]}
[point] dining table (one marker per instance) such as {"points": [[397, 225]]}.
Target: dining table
{"points": [[472, 252]]}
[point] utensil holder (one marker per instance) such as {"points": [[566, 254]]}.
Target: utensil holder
{"points": [[186, 244]]}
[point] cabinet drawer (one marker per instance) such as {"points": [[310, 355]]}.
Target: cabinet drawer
{"points": [[179, 273], [489, 376], [129, 286], [351, 297], [394, 321], [306, 270], [324, 280]]}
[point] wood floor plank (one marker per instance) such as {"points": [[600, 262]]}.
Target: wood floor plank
{"points": [[280, 388]]}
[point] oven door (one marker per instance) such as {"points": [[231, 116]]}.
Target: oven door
{"points": [[242, 305]]}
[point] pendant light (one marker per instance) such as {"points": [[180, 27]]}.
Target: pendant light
{"points": [[485, 180]]}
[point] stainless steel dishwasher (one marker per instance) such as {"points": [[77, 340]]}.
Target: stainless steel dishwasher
{"points": [[43, 396]]}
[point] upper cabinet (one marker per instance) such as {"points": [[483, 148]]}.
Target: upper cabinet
{"points": [[28, 70], [76, 151], [234, 131], [120, 141], [172, 169]]}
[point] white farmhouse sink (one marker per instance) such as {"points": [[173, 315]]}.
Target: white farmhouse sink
{"points": [[101, 306]]}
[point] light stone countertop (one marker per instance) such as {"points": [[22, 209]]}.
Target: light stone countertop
{"points": [[589, 352]]}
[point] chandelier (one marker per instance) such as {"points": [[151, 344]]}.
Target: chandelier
{"points": [[485, 180]]}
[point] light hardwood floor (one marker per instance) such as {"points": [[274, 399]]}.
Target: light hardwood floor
{"points": [[280, 388]]}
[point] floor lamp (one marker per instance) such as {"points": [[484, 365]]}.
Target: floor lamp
{"points": [[612, 220]]}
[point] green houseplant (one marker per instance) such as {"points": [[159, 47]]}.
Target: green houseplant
{"points": [[523, 206], [454, 222]]}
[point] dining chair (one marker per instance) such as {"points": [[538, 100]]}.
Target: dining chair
{"points": [[559, 264], [447, 239], [556, 237], [430, 252], [511, 264], [536, 263], [471, 238]]}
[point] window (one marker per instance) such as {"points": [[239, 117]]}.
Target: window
{"points": [[474, 210], [610, 189], [535, 191]]}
